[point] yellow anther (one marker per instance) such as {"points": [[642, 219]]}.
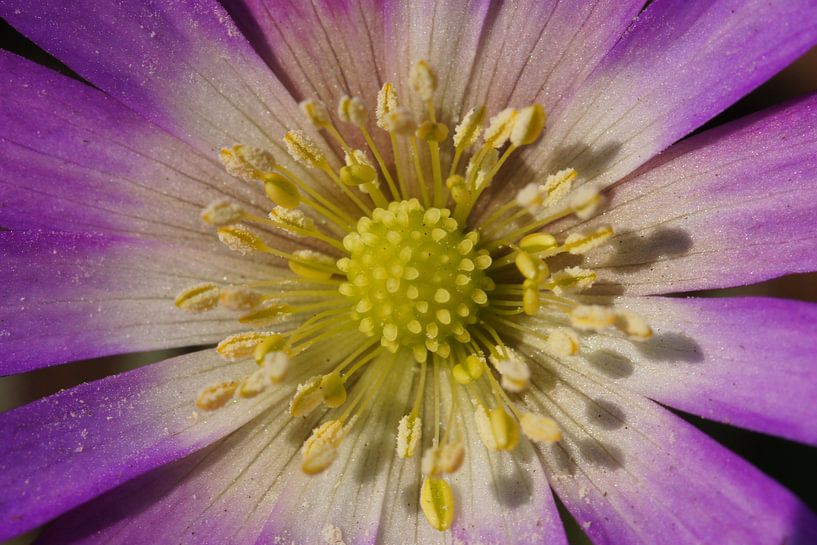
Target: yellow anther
{"points": [[352, 110], [222, 212], [540, 428], [198, 298], [423, 80], [504, 428], [538, 242], [592, 317], [281, 191], [513, 370], [357, 174], [240, 239], [530, 300], [528, 125], [247, 162], [304, 150], [333, 390], [459, 191], [500, 127], [270, 345], [386, 104], [558, 185], [266, 315], [241, 345], [321, 449], [216, 395], [586, 202], [409, 431], [469, 129], [469, 370], [312, 265], [399, 121], [430, 131], [483, 423], [239, 298], [316, 112], [632, 325], [446, 458], [563, 342], [530, 197], [277, 365], [258, 381], [531, 267], [287, 218], [580, 243], [437, 502], [307, 397], [479, 166], [571, 279]]}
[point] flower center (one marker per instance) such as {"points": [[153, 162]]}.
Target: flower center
{"points": [[402, 290], [416, 279]]}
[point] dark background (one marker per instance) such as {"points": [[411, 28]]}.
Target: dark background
{"points": [[792, 464]]}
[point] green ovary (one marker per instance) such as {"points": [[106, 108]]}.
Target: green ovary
{"points": [[415, 279]]}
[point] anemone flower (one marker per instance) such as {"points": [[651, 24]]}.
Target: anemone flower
{"points": [[428, 240]]}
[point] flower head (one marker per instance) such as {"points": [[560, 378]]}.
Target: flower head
{"points": [[426, 308]]}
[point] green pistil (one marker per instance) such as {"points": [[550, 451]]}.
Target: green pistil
{"points": [[417, 281]]}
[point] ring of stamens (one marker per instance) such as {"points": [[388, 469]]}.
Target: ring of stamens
{"points": [[412, 276]]}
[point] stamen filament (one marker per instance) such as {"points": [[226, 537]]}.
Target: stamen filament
{"points": [[382, 164], [418, 168]]}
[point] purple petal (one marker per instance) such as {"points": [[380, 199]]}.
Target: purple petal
{"points": [[183, 65], [69, 296], [68, 448], [74, 159], [534, 51], [447, 35], [213, 497], [632, 472], [322, 49], [731, 206], [749, 362], [681, 63]]}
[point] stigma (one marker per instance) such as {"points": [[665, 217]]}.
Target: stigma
{"points": [[397, 267]]}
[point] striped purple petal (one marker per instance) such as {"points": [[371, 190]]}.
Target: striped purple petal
{"points": [[748, 362], [632, 472], [732, 206], [679, 64], [61, 451]]}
